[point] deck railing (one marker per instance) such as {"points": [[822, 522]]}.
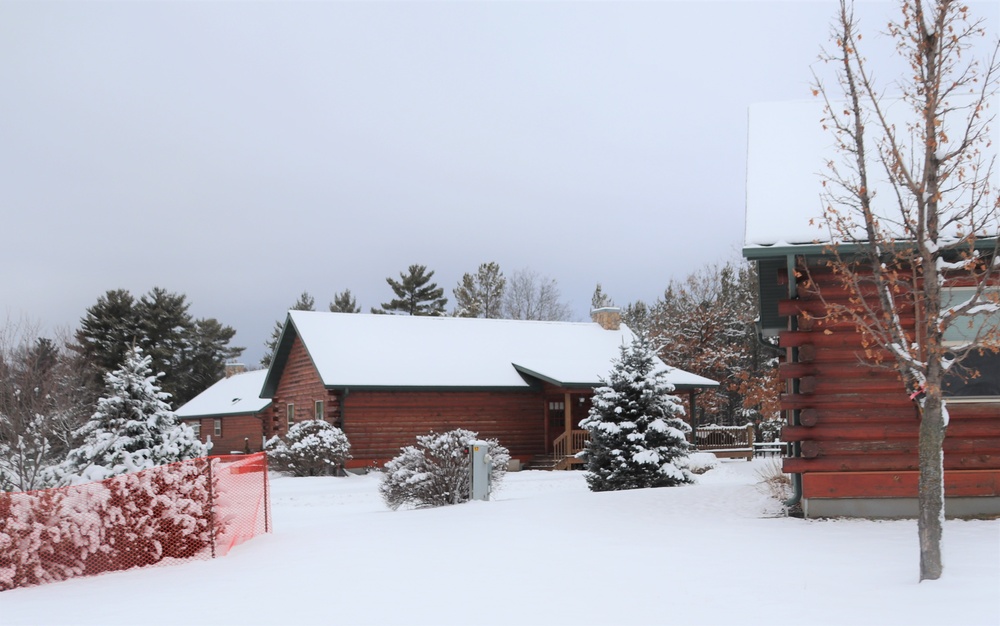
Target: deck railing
{"points": [[567, 445], [726, 441]]}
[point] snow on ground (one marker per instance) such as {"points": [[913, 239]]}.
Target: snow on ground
{"points": [[547, 551]]}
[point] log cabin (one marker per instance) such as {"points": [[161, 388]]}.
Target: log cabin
{"points": [[230, 414], [852, 425], [384, 379]]}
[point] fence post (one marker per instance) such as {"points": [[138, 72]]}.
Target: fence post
{"points": [[211, 502], [267, 498]]}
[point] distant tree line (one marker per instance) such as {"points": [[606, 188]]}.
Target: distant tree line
{"points": [[487, 293]]}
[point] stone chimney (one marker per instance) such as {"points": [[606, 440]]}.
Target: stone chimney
{"points": [[235, 368], [609, 317]]}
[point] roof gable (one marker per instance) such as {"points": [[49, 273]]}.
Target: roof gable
{"points": [[356, 350]]}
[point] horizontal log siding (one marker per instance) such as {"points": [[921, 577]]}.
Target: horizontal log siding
{"points": [[379, 423], [859, 429], [300, 385], [238, 431]]}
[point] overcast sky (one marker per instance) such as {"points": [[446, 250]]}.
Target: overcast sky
{"points": [[242, 152]]}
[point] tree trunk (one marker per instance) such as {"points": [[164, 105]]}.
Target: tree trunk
{"points": [[930, 518]]}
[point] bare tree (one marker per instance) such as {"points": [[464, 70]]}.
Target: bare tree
{"points": [[530, 296], [42, 401], [705, 324], [901, 257]]}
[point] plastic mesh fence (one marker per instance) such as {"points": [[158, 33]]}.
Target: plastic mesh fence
{"points": [[196, 509]]}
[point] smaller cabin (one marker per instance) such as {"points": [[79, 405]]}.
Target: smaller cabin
{"points": [[230, 413]]}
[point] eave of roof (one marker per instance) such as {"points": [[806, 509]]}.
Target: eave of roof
{"points": [[782, 250]]}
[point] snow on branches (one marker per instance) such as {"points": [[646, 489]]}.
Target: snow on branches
{"points": [[132, 429], [637, 436], [435, 472], [311, 448]]}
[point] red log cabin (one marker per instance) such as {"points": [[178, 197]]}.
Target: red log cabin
{"points": [[853, 427], [384, 379], [230, 413]]}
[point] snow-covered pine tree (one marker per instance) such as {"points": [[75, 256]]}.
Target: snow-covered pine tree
{"points": [[636, 431], [132, 429]]}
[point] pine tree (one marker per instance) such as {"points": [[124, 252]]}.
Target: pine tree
{"points": [[600, 299], [132, 429], [190, 353], [106, 331], [304, 303], [415, 294], [637, 435], [344, 302], [480, 295]]}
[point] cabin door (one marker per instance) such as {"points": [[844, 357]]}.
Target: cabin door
{"points": [[556, 421]]}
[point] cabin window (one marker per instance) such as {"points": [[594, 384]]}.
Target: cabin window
{"points": [[291, 414], [965, 329], [196, 427], [978, 376], [218, 427], [319, 410]]}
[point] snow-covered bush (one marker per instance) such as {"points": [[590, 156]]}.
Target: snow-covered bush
{"points": [[47, 536], [435, 472], [126, 521], [132, 429], [637, 436], [311, 448], [700, 462]]}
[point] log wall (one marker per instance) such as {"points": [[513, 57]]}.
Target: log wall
{"points": [[859, 429], [379, 423]]}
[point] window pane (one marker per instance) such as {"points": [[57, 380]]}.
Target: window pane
{"points": [[964, 329]]}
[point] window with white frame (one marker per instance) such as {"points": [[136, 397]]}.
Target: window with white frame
{"points": [[978, 375], [319, 410], [217, 424], [290, 409], [196, 427]]}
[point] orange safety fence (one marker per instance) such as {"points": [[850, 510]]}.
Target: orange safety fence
{"points": [[196, 509]]}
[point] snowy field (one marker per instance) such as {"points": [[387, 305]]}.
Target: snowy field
{"points": [[547, 551]]}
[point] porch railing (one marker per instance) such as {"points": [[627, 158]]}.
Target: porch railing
{"points": [[726, 441], [567, 445]]}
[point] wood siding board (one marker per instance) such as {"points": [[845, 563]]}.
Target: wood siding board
{"points": [[902, 484]]}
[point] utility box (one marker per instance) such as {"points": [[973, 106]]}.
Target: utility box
{"points": [[482, 466]]}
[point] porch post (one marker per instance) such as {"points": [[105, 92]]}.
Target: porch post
{"points": [[568, 413], [693, 420], [545, 413]]}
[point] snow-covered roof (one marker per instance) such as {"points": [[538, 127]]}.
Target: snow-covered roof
{"points": [[357, 350], [787, 153], [237, 395]]}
